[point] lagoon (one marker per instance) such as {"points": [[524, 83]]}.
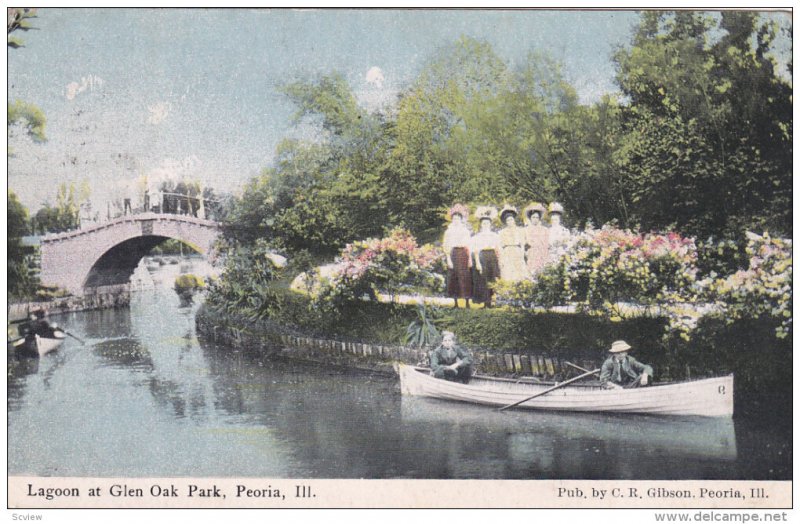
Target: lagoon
{"points": [[145, 397]]}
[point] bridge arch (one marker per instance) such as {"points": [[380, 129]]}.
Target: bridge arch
{"points": [[107, 253]]}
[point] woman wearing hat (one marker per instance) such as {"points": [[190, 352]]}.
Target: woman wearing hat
{"points": [[621, 370], [486, 250], [512, 247], [536, 238], [457, 240], [558, 235]]}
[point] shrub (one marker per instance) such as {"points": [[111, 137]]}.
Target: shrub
{"points": [[763, 289], [607, 266], [244, 286], [391, 265], [422, 331]]}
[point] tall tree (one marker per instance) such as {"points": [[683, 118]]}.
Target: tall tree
{"points": [[439, 136], [708, 126]]}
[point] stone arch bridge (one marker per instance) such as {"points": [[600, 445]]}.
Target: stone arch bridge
{"points": [[108, 253]]}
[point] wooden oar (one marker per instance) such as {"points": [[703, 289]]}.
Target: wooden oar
{"points": [[579, 368], [73, 336], [546, 391]]}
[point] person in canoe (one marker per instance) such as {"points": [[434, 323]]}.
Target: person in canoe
{"points": [[450, 361], [621, 370], [38, 324]]}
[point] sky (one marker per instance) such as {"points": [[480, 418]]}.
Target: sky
{"points": [[194, 94]]}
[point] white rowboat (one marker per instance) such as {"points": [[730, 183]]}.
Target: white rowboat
{"points": [[711, 397], [41, 345]]}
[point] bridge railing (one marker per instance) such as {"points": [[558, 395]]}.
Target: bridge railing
{"points": [[128, 218]]}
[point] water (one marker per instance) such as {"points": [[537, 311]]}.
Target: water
{"points": [[145, 397]]}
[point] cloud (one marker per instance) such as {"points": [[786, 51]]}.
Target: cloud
{"points": [[87, 83], [375, 77], [158, 112]]}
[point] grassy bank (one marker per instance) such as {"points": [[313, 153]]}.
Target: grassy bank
{"points": [[747, 348]]}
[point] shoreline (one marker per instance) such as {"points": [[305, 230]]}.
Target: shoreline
{"points": [[110, 297], [279, 340]]}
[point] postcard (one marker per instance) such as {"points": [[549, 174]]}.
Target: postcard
{"points": [[400, 258]]}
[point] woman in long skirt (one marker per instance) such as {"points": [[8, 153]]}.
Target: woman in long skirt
{"points": [[536, 239], [486, 252], [457, 240], [512, 244]]}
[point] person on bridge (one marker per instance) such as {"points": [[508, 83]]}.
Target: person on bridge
{"points": [[621, 370], [450, 361]]}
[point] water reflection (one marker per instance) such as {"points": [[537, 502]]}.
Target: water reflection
{"points": [[159, 402], [19, 368], [564, 445]]}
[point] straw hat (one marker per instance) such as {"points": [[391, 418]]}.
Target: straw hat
{"points": [[507, 209], [619, 346], [485, 212], [458, 209], [555, 207], [533, 208]]}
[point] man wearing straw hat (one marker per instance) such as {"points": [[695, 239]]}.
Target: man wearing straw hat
{"points": [[621, 370]]}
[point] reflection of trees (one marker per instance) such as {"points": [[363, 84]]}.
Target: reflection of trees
{"points": [[541, 445], [107, 323], [336, 423], [19, 368]]}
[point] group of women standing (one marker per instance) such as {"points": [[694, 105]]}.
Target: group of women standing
{"points": [[474, 262]]}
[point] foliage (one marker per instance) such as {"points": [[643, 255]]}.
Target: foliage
{"points": [[387, 265], [18, 20], [422, 331], [21, 279], [245, 284], [763, 289], [700, 142], [520, 293], [616, 273], [30, 117], [607, 266], [716, 346], [64, 216], [190, 282], [172, 246], [706, 147], [720, 257], [21, 113], [47, 293]]}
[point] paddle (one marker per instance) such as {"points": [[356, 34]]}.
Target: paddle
{"points": [[73, 336], [546, 391], [578, 367]]}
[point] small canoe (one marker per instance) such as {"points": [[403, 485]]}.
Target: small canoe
{"points": [[39, 345], [711, 397]]}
